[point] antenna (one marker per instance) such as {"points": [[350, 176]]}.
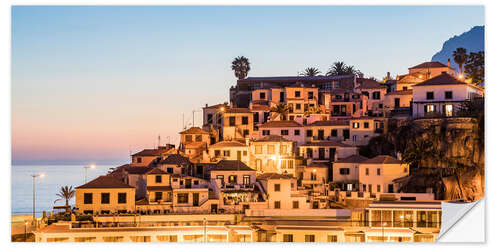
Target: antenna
{"points": [[159, 141]]}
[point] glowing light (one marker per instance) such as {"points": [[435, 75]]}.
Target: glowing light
{"points": [[460, 76], [92, 165], [314, 170], [42, 175], [273, 157], [222, 109]]}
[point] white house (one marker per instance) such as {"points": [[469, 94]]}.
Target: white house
{"points": [[376, 175], [441, 96]]}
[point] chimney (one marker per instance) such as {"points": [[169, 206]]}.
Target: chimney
{"points": [[449, 63], [388, 75]]}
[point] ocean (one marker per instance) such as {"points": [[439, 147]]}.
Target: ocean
{"points": [[47, 187]]}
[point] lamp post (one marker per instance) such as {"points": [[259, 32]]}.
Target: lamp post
{"points": [[205, 230], [34, 200], [92, 166]]}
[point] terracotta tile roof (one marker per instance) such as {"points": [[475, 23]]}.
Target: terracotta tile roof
{"points": [[105, 181], [194, 130], [156, 171], [280, 124], [258, 107], [366, 83], [326, 143], [159, 188], [196, 144], [152, 152], [317, 165], [443, 79], [231, 165], [175, 159], [272, 138], [282, 79], [137, 170], [274, 176], [401, 92], [222, 144], [383, 159], [330, 123], [429, 65], [352, 159]]}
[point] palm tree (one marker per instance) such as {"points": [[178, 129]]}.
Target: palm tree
{"points": [[240, 66], [281, 109], [340, 68], [66, 193], [460, 57], [310, 71]]}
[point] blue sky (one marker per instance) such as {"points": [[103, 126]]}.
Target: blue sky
{"points": [[93, 83]]}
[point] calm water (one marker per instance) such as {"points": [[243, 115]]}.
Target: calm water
{"points": [[46, 187]]}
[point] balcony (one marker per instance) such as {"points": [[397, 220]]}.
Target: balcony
{"points": [[243, 187]]}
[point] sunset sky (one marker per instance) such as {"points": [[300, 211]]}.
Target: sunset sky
{"points": [[91, 84]]}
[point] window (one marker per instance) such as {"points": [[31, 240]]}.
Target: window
{"points": [[158, 179], [227, 153], [354, 138], [246, 179], [122, 198], [366, 125], [309, 152], [182, 198], [171, 170], [333, 133], [448, 95], [245, 132], [405, 88], [255, 117], [189, 138], [232, 179], [232, 121], [277, 204], [217, 153], [429, 108], [87, 198], [448, 110], [287, 237], [139, 160], [367, 171], [355, 125], [397, 102], [196, 182], [296, 132], [378, 188], [405, 170], [344, 171], [262, 95], [277, 187], [266, 132], [258, 149], [378, 171], [297, 93], [430, 95], [270, 149], [209, 118], [313, 176], [244, 120], [284, 132], [104, 198], [158, 196], [332, 238], [321, 134], [298, 106], [310, 95], [309, 238], [309, 133], [198, 137], [376, 95], [295, 204]]}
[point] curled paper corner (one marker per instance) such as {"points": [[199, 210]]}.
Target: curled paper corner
{"points": [[452, 213]]}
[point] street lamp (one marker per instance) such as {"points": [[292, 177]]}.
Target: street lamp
{"points": [[92, 166], [41, 175]]}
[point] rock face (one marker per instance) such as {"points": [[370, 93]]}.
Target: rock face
{"points": [[472, 41]]}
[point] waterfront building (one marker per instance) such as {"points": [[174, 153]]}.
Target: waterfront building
{"points": [[105, 195], [376, 175]]}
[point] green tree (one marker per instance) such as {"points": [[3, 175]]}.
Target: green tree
{"points": [[282, 110], [310, 71], [66, 193], [474, 68], [460, 57], [241, 67]]}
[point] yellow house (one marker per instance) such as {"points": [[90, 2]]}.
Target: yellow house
{"points": [[376, 175], [105, 195]]}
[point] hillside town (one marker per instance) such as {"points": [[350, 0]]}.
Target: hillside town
{"points": [[291, 159]]}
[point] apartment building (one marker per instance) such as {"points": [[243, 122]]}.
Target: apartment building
{"points": [[376, 175]]}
